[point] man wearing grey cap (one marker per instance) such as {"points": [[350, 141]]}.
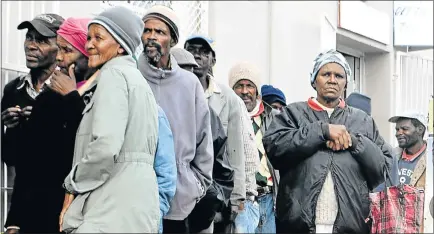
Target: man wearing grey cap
{"points": [[184, 59], [242, 152], [19, 95], [180, 95], [410, 130]]}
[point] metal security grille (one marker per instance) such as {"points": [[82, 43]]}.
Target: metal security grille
{"points": [[414, 86], [193, 15]]}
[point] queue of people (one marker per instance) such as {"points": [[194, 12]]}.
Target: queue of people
{"points": [[115, 129]]}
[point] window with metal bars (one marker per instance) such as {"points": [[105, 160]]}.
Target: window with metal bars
{"points": [[193, 15]]}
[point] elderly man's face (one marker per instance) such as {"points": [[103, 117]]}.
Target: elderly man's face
{"points": [[330, 82], [407, 134], [156, 40], [248, 92], [202, 54], [68, 55], [40, 50]]}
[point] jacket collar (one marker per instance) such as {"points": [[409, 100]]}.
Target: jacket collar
{"points": [[154, 74], [124, 60], [314, 106]]}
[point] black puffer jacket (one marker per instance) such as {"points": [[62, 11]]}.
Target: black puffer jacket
{"points": [[296, 145], [218, 194]]}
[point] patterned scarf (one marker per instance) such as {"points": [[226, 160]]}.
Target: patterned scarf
{"points": [[263, 176]]}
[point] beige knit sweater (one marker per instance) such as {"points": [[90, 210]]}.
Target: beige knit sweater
{"points": [[250, 150], [327, 205]]}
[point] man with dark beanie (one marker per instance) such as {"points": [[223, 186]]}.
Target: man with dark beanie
{"points": [[180, 95], [359, 101], [363, 102], [273, 97]]}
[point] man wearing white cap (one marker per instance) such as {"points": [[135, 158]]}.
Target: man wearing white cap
{"points": [[410, 130], [180, 95]]}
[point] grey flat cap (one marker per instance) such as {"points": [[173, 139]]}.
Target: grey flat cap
{"points": [[183, 57]]}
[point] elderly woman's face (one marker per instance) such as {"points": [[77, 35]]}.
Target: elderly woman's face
{"points": [[330, 82], [68, 55], [101, 46]]}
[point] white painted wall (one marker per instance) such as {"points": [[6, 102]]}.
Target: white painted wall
{"points": [[241, 32], [281, 37], [296, 41]]}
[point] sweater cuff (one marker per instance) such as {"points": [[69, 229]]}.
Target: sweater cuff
{"points": [[325, 131], [354, 141], [68, 187]]}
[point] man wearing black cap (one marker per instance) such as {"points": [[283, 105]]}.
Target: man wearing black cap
{"points": [[243, 155], [40, 49]]}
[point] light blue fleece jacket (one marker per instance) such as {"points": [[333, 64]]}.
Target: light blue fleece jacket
{"points": [[165, 163]]}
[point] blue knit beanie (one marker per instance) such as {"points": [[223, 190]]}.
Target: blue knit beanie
{"points": [[271, 95]]}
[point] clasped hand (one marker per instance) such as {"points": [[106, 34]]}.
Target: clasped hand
{"points": [[339, 138]]}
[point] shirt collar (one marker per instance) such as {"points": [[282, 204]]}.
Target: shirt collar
{"points": [[411, 158], [28, 80], [212, 87]]}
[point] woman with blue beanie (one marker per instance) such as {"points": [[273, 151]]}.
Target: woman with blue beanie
{"points": [[112, 186]]}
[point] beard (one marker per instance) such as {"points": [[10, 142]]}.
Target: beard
{"points": [[153, 56]]}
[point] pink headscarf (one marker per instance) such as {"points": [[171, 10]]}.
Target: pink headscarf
{"points": [[74, 31]]}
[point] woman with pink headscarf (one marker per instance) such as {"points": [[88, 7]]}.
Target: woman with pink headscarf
{"points": [[49, 145]]}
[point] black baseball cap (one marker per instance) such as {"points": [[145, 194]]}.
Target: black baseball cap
{"points": [[46, 24]]}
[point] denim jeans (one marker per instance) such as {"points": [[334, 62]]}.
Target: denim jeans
{"points": [[160, 227], [248, 219], [267, 219]]}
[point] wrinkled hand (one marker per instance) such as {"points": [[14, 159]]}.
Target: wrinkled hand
{"points": [[340, 139], [63, 84], [26, 111], [66, 203], [11, 116]]}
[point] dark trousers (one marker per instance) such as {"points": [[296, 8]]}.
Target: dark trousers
{"points": [[175, 226]]}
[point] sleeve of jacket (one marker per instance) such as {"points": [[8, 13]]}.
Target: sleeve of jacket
{"points": [[73, 108], [374, 155], [223, 173], [235, 147], [203, 161], [286, 143], [165, 163], [108, 128], [10, 137]]}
